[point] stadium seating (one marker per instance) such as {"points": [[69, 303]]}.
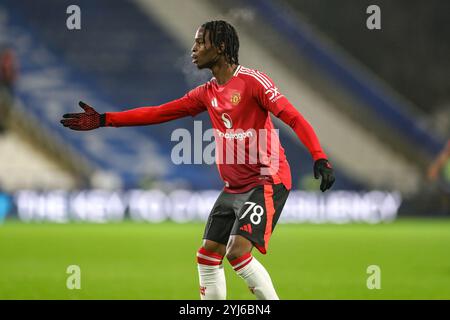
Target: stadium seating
{"points": [[18, 172], [113, 64], [112, 68], [385, 106]]}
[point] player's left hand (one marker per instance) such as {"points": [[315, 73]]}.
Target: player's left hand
{"points": [[322, 168]]}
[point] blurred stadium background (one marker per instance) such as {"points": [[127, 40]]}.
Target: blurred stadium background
{"points": [[112, 201]]}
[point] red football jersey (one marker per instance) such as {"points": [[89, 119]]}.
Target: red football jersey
{"points": [[248, 151]]}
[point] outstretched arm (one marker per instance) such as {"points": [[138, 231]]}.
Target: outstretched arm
{"points": [[176, 109], [90, 119]]}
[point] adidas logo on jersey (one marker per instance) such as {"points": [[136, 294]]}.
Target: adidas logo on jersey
{"points": [[214, 103]]}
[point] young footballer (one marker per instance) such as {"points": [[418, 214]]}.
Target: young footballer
{"points": [[249, 156]]}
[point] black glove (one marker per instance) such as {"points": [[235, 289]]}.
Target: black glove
{"points": [[87, 120], [323, 168]]}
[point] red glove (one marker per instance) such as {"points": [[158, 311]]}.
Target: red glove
{"points": [[88, 120]]}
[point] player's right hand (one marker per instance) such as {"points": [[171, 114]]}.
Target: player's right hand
{"points": [[88, 120]]}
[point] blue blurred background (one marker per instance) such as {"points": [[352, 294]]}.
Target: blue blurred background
{"points": [[379, 100]]}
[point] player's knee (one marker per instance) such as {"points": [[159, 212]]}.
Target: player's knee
{"points": [[212, 251], [237, 247], [232, 255], [235, 252], [207, 257], [213, 246]]}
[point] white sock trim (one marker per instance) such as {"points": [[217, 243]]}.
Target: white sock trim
{"points": [[212, 282], [258, 280]]}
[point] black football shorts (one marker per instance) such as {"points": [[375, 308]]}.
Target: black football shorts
{"points": [[252, 214]]}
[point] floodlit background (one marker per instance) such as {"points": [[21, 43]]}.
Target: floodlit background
{"points": [[113, 202]]}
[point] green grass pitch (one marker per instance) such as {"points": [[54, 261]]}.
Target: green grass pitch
{"points": [[157, 261]]}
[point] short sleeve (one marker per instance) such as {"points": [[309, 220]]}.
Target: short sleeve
{"points": [[267, 93]]}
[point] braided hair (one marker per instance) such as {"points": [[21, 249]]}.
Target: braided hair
{"points": [[221, 32]]}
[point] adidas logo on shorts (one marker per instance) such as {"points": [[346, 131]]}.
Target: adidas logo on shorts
{"points": [[246, 227]]}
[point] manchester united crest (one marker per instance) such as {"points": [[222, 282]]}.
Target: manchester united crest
{"points": [[235, 98]]}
